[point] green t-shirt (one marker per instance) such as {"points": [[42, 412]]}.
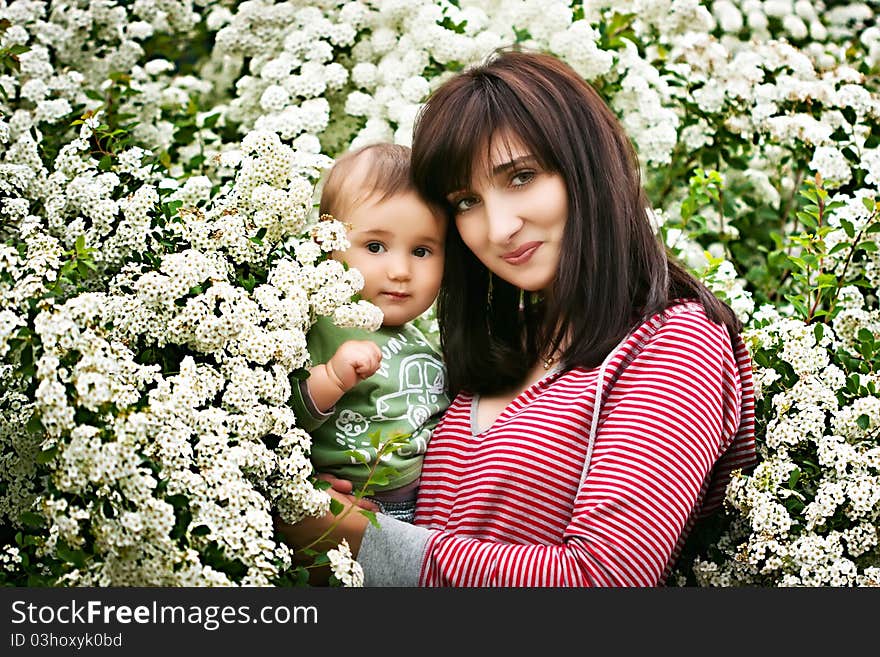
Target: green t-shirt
{"points": [[406, 395]]}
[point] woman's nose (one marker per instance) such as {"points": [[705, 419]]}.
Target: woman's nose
{"points": [[503, 220]]}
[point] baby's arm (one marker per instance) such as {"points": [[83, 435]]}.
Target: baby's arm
{"points": [[354, 361]]}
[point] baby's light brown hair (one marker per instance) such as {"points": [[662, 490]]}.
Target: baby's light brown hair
{"points": [[381, 170]]}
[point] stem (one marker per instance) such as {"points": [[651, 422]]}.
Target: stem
{"points": [[667, 188], [358, 495], [849, 256], [799, 177], [821, 205], [725, 239]]}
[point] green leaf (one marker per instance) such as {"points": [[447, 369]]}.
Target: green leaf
{"points": [[200, 530], [811, 260], [301, 577], [826, 281], [47, 455], [798, 304], [800, 263], [248, 283], [336, 507], [384, 471], [810, 194], [75, 556], [808, 219], [852, 383], [34, 425], [178, 501], [793, 478], [863, 421], [360, 457], [32, 519], [182, 515], [371, 516]]}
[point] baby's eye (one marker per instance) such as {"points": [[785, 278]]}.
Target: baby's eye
{"points": [[521, 178], [421, 252], [375, 247]]}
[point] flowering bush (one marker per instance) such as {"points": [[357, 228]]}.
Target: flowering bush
{"points": [[161, 261]]}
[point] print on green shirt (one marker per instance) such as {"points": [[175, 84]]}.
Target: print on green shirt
{"points": [[407, 396]]}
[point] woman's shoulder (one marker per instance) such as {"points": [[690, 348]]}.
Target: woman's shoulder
{"points": [[684, 323], [681, 314]]}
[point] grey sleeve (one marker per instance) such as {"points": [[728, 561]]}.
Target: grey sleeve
{"points": [[392, 554]]}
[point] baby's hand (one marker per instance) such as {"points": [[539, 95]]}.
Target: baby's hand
{"points": [[354, 361]]}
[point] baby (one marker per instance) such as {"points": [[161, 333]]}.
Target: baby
{"points": [[391, 381]]}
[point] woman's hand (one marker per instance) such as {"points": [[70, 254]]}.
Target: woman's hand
{"points": [[323, 533], [327, 531]]}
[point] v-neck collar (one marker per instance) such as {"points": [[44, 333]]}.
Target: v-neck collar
{"points": [[475, 401]]}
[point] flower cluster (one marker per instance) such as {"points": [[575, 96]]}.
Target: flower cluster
{"points": [[809, 515]]}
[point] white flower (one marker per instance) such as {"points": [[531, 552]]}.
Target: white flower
{"points": [[361, 314], [344, 567], [831, 164], [274, 99]]}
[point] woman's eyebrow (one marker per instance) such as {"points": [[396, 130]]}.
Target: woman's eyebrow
{"points": [[512, 164]]}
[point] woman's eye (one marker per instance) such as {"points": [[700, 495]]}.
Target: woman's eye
{"points": [[421, 252], [375, 247], [521, 178], [464, 203]]}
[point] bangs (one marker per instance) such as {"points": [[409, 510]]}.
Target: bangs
{"points": [[483, 108]]}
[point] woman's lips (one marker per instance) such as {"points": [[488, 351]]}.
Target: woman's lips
{"points": [[522, 254]]}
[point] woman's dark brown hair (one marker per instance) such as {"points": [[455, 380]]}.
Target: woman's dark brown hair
{"points": [[613, 271]]}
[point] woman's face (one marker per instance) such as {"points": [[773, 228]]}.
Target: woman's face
{"points": [[513, 215]]}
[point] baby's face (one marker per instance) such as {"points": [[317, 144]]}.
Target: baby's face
{"points": [[397, 244]]}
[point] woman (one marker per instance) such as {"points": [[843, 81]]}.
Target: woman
{"points": [[602, 395]]}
